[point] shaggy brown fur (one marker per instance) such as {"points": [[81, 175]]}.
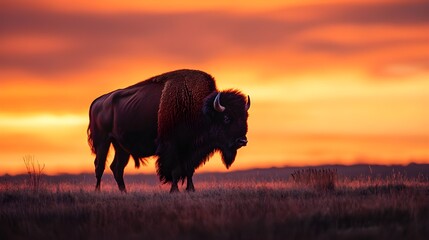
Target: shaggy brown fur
{"points": [[182, 101]]}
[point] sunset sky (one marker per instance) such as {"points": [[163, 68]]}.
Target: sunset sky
{"points": [[334, 81]]}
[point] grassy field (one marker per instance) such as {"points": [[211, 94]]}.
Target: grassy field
{"points": [[393, 207]]}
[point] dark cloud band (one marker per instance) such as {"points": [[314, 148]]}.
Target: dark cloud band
{"points": [[190, 37]]}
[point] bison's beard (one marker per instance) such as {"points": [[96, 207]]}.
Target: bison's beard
{"points": [[228, 156]]}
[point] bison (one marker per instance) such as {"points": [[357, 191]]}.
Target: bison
{"points": [[179, 116]]}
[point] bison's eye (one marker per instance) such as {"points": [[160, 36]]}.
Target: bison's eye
{"points": [[226, 119]]}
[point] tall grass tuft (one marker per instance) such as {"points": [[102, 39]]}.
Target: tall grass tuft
{"points": [[319, 179], [35, 172]]}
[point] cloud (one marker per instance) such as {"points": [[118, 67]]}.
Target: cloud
{"points": [[402, 68], [344, 49], [398, 13], [191, 37]]}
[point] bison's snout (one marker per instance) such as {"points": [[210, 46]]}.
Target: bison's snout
{"points": [[241, 142]]}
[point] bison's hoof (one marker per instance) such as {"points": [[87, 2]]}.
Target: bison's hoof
{"points": [[174, 189]]}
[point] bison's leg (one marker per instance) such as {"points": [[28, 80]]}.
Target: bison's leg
{"points": [[175, 174], [189, 182], [100, 161], [118, 165], [167, 164]]}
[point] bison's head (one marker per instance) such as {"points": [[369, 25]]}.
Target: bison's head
{"points": [[227, 114]]}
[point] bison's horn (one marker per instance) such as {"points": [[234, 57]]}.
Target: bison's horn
{"points": [[216, 104], [248, 103]]}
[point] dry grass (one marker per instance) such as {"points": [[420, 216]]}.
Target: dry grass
{"points": [[319, 179], [34, 171], [239, 209]]}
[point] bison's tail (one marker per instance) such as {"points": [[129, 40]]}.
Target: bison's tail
{"points": [[90, 138], [90, 132], [138, 161]]}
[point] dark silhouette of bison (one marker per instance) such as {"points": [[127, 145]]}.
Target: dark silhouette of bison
{"points": [[178, 116]]}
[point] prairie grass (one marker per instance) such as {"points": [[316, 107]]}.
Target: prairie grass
{"points": [[382, 208], [319, 179], [34, 171]]}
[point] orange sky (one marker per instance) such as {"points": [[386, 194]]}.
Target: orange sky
{"points": [[333, 82]]}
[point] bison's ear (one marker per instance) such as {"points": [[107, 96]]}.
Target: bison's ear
{"points": [[209, 112], [208, 108], [216, 104]]}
